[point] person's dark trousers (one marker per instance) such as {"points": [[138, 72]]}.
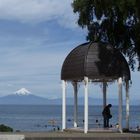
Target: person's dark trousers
{"points": [[106, 122]]}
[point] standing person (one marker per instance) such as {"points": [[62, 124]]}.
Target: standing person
{"points": [[107, 115]]}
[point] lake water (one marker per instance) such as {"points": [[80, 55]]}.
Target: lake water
{"points": [[47, 118]]}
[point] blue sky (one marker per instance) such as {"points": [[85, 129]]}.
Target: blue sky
{"points": [[35, 38]]}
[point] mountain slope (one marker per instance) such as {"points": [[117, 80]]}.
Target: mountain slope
{"points": [[23, 99], [31, 99]]}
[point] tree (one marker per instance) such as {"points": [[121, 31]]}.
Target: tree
{"points": [[113, 21]]}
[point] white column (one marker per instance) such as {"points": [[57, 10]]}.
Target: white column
{"points": [[63, 104], [120, 103], [127, 105], [104, 94], [75, 104], [86, 106], [104, 98]]}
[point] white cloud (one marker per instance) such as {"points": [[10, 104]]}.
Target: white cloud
{"points": [[35, 11], [36, 67]]}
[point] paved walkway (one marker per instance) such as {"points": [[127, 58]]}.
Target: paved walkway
{"points": [[78, 136]]}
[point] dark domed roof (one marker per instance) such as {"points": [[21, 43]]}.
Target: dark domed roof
{"points": [[97, 61]]}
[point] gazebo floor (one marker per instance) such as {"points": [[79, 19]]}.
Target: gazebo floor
{"points": [[80, 129]]}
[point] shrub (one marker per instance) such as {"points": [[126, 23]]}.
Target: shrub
{"points": [[4, 128]]}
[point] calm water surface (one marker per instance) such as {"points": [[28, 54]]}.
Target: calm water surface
{"points": [[46, 118]]}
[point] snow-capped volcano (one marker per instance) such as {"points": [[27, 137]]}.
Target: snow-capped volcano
{"points": [[22, 91]]}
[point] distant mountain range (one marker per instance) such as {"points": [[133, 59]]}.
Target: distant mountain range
{"points": [[24, 97], [36, 100], [31, 99]]}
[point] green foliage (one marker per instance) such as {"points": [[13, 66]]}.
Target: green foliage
{"points": [[113, 21], [4, 128]]}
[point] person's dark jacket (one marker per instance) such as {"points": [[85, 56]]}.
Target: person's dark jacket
{"points": [[106, 112]]}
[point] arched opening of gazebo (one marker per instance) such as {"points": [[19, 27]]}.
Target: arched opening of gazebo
{"points": [[94, 62]]}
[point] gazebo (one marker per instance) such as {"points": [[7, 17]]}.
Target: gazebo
{"points": [[94, 62]]}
